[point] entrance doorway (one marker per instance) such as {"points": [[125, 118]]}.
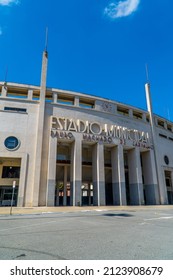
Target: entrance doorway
{"points": [[6, 195], [168, 181], [9, 172], [62, 194], [87, 194], [62, 190]]}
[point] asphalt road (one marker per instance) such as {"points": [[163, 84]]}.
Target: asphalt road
{"points": [[88, 235]]}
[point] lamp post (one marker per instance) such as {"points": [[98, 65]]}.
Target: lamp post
{"points": [[14, 185]]}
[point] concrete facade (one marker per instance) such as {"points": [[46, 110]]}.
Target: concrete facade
{"points": [[76, 149]]}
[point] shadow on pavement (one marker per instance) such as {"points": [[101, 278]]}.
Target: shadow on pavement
{"points": [[117, 215]]}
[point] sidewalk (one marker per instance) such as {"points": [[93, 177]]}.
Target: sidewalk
{"points": [[62, 209]]}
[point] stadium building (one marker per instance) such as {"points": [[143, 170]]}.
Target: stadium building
{"points": [[69, 148]]}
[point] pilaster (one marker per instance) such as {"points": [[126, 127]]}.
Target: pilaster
{"points": [[51, 174], [135, 177], [30, 94], [150, 178], [118, 176], [98, 174], [22, 181], [76, 172], [65, 186], [4, 91], [55, 97]]}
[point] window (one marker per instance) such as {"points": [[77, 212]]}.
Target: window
{"points": [[63, 153], [6, 196], [137, 115], [162, 135], [107, 157], [166, 159], [66, 100], [16, 94], [87, 155], [11, 143], [36, 96], [148, 119], [125, 160], [48, 98], [21, 110], [168, 183], [85, 103], [11, 172], [170, 138], [122, 111], [160, 123], [169, 127]]}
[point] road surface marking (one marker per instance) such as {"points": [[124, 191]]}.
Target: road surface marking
{"points": [[160, 218]]}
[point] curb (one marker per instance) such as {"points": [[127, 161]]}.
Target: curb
{"points": [[48, 210]]}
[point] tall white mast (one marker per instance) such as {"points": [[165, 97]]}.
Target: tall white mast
{"points": [[153, 134], [40, 127]]}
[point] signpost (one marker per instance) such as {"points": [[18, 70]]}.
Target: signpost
{"points": [[14, 185]]}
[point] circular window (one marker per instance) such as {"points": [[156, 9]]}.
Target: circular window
{"points": [[11, 143], [166, 159]]}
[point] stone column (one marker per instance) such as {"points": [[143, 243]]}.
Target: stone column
{"points": [[76, 172], [4, 91], [135, 177], [98, 171], [150, 178], [171, 180], [55, 97], [30, 94], [144, 117], [131, 113], [76, 101], [51, 173], [65, 186], [161, 178], [22, 181], [118, 176]]}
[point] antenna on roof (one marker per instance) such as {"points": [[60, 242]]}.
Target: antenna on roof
{"points": [[147, 75], [46, 41]]}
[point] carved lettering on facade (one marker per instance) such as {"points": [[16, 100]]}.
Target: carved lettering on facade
{"points": [[95, 131], [61, 134], [97, 138]]}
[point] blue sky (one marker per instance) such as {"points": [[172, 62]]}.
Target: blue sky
{"points": [[98, 47]]}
